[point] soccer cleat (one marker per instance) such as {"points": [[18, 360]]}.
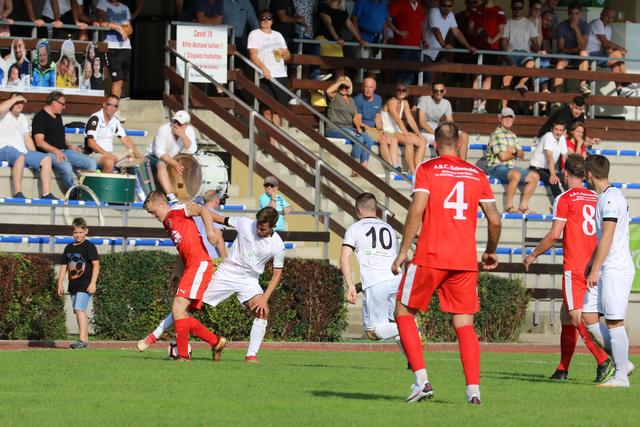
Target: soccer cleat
{"points": [[78, 345], [605, 371], [420, 392], [182, 359], [251, 359], [142, 346], [630, 368], [559, 375], [614, 383], [474, 400], [216, 351]]}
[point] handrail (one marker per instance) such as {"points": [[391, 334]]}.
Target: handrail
{"points": [[387, 166], [50, 25]]}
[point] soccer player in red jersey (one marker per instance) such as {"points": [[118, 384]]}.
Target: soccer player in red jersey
{"points": [[198, 269], [446, 193], [574, 219]]}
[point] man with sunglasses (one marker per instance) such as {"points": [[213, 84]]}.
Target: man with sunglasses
{"points": [[441, 20], [171, 139], [48, 133], [99, 131], [271, 198]]}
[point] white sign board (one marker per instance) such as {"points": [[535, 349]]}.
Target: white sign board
{"points": [[206, 47]]}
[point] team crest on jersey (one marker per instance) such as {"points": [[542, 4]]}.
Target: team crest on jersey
{"points": [[176, 237]]}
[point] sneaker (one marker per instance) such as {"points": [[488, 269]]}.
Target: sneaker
{"points": [[216, 351], [420, 392], [630, 368], [614, 382], [324, 77], [559, 375], [293, 101], [19, 195], [626, 91], [605, 371], [586, 89], [474, 400], [49, 196], [78, 344], [251, 359]]}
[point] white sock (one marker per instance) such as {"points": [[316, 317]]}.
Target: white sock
{"points": [[600, 335], [421, 377], [171, 196], [163, 326], [385, 331], [473, 390], [620, 351], [258, 330], [606, 334]]}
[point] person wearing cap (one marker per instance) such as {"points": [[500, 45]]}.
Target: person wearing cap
{"points": [[503, 151], [99, 131], [343, 112], [271, 198], [172, 138]]}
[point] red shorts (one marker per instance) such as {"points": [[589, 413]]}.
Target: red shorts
{"points": [[574, 289], [457, 290], [194, 282]]}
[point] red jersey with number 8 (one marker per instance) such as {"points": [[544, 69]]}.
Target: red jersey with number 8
{"points": [[447, 239], [577, 207]]}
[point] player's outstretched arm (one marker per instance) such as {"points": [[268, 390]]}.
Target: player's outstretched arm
{"points": [[604, 244], [411, 227], [494, 226], [194, 209], [547, 242], [345, 267]]}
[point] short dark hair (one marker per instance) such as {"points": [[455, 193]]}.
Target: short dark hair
{"points": [[573, 6], [447, 133], [263, 12], [80, 223], [210, 195], [438, 82], [579, 100], [532, 2], [575, 165], [112, 96], [53, 96], [366, 201], [267, 214], [155, 196], [598, 165], [558, 121]]}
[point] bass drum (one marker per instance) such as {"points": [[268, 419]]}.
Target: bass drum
{"points": [[215, 174]]}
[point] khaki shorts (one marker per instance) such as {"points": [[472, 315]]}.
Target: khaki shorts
{"points": [[376, 134]]}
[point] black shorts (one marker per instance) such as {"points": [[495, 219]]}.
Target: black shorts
{"points": [[119, 63], [274, 91]]}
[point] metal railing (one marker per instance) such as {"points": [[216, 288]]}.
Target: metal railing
{"points": [[34, 30]]}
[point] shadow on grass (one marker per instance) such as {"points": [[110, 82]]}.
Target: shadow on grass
{"points": [[517, 376], [324, 366], [367, 396]]}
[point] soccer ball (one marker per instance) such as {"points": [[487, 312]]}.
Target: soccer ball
{"points": [[76, 266], [172, 350]]}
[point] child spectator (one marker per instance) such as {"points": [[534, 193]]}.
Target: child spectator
{"points": [[80, 261]]}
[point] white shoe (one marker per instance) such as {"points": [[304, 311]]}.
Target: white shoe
{"points": [[626, 91], [142, 346], [420, 392], [630, 368], [293, 101], [614, 382], [325, 77]]}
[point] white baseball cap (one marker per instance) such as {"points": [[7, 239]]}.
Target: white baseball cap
{"points": [[507, 112], [182, 117]]}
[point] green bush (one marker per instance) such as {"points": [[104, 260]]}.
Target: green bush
{"points": [[29, 306], [134, 293], [503, 305]]}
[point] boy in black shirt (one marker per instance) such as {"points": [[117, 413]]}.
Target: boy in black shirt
{"points": [[80, 260]]}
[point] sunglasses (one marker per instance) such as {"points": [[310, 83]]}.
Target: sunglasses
{"points": [[343, 87], [111, 104], [517, 7], [61, 103], [437, 90], [266, 18], [269, 186], [401, 90]]}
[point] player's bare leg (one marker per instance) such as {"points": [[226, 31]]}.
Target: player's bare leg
{"points": [[469, 354], [412, 346], [83, 326], [258, 329]]}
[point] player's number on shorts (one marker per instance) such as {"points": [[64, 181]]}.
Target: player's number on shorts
{"points": [[385, 238], [589, 223], [455, 201]]}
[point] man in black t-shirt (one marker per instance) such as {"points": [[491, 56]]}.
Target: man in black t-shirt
{"points": [[48, 134], [573, 113]]}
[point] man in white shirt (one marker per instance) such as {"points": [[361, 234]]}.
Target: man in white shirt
{"points": [[238, 274], [170, 139], [376, 246], [441, 20], [612, 269], [99, 131], [600, 44], [548, 151], [18, 149], [520, 36]]}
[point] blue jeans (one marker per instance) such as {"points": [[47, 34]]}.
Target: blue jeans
{"points": [[357, 153], [75, 160], [9, 154], [80, 301], [501, 172]]}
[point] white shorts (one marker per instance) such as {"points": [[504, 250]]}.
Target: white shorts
{"points": [[591, 301], [224, 286], [614, 294], [379, 303], [429, 137]]}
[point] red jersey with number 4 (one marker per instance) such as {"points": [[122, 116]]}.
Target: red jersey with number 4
{"points": [[577, 207], [184, 232], [447, 239]]}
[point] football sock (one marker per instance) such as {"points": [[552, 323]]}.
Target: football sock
{"points": [[600, 335], [606, 335], [421, 377], [163, 326], [201, 331], [473, 390], [182, 337], [568, 339], [410, 339], [597, 351], [469, 353], [386, 330], [620, 351], [258, 329]]}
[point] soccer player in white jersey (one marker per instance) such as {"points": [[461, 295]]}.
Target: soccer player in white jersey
{"points": [[238, 274], [612, 268], [376, 246]]}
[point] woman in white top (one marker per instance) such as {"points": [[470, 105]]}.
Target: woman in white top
{"points": [[394, 112]]}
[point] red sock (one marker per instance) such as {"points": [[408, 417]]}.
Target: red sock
{"points": [[568, 339], [597, 351], [410, 340], [182, 337], [469, 353], [201, 331], [150, 339]]}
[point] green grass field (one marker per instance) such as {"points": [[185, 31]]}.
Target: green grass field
{"points": [[115, 387]]}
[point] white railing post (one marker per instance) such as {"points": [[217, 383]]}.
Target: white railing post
{"points": [[318, 192], [536, 87], [185, 88], [252, 149]]}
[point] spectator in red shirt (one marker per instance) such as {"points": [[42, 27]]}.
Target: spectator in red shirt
{"points": [[487, 25], [407, 17]]}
